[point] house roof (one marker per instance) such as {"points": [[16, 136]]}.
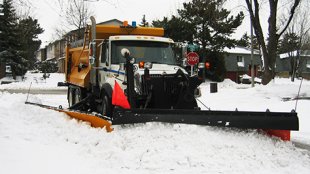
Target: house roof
{"points": [[303, 53], [240, 50], [110, 21]]}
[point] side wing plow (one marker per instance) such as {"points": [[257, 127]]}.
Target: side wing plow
{"points": [[95, 120]]}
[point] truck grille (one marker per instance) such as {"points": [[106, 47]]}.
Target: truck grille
{"points": [[161, 83]]}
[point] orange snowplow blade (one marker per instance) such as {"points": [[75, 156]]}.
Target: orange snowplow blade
{"points": [[94, 120]]}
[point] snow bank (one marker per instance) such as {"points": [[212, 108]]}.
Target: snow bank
{"points": [[36, 140]]}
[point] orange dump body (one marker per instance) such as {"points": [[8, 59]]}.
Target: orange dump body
{"points": [[74, 58]]}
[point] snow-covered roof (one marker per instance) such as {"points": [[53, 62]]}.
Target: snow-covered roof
{"points": [[240, 50], [304, 53]]}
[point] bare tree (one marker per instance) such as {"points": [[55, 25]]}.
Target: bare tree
{"points": [[24, 8], [300, 27], [269, 49], [73, 16], [77, 13], [60, 31]]}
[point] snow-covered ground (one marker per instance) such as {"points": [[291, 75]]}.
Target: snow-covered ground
{"points": [[36, 140], [35, 81]]}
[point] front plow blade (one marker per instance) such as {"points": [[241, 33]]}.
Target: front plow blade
{"points": [[237, 119]]}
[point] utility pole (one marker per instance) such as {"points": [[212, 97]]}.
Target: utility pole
{"points": [[252, 66], [1, 9]]}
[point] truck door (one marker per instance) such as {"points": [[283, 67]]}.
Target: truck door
{"points": [[104, 62]]}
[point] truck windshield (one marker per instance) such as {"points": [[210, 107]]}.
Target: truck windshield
{"points": [[147, 51]]}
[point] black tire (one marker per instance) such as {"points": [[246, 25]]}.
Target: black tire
{"points": [[106, 105]]}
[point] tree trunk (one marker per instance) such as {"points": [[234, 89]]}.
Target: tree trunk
{"points": [[270, 49], [268, 75], [204, 59], [271, 46]]}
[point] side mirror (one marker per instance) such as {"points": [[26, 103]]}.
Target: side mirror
{"points": [[125, 52], [92, 53]]}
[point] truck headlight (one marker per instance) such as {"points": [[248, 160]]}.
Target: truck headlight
{"points": [[132, 60], [197, 92], [147, 65]]}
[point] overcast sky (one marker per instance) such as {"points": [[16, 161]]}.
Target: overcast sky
{"points": [[48, 12]]}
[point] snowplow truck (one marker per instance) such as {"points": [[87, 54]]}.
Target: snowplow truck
{"points": [[129, 74]]}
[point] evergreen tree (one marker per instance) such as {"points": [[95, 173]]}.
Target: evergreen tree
{"points": [[207, 23], [245, 41], [8, 38], [144, 23], [290, 44], [8, 42], [217, 69], [18, 40], [29, 29], [213, 24], [176, 28]]}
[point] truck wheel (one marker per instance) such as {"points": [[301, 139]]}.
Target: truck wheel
{"points": [[106, 106], [71, 96]]}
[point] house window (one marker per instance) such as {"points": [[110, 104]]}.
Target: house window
{"points": [[240, 61], [308, 63]]}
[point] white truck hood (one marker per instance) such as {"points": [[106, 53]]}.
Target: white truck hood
{"points": [[156, 69], [162, 69]]}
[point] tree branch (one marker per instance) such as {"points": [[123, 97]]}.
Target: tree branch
{"points": [[296, 3]]}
